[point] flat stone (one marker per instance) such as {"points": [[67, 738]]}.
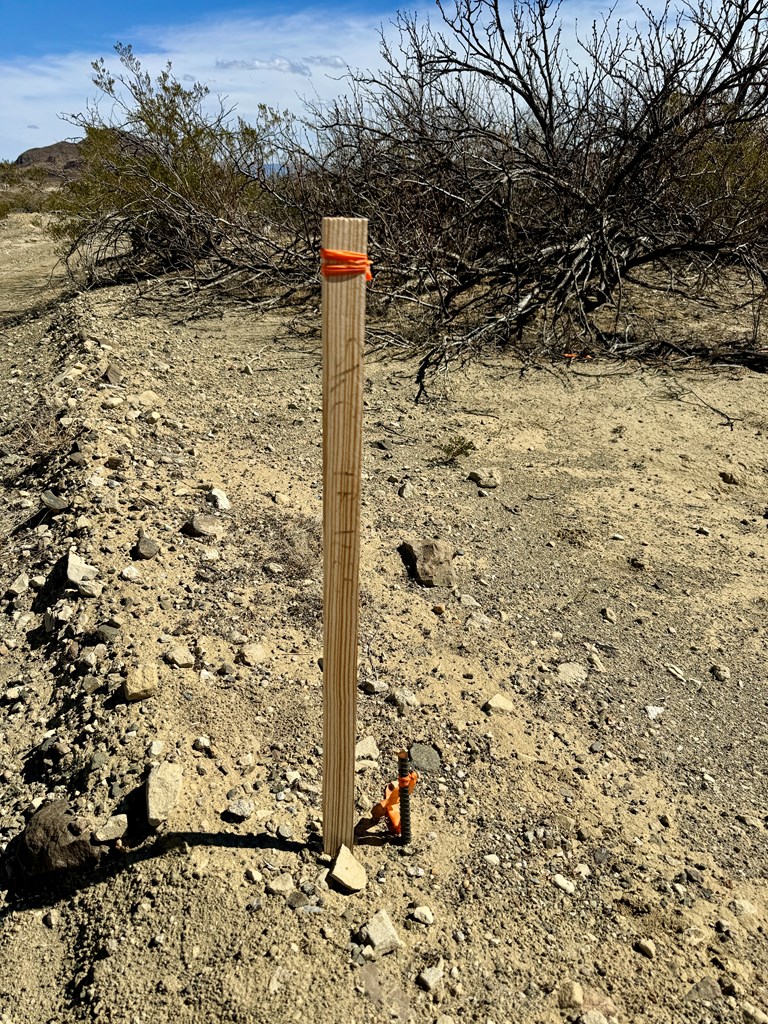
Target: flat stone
{"points": [[367, 748], [571, 672], [218, 499], [485, 477], [146, 547], [492, 860], [406, 490], [141, 682], [425, 758], [252, 654], [78, 570], [19, 586], [431, 977], [203, 525], [53, 502], [90, 588], [593, 1017], [181, 657], [380, 935], [130, 574], [114, 828], [705, 990], [282, 885], [348, 872], [499, 704], [430, 563], [163, 791]]}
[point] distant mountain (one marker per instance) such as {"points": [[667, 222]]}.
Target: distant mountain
{"points": [[61, 160]]}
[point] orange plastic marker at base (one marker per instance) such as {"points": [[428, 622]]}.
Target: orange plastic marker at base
{"points": [[338, 261], [390, 805]]}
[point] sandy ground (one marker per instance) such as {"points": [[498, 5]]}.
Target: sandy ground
{"points": [[594, 852]]}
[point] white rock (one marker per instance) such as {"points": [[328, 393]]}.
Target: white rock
{"points": [[380, 935], [282, 885], [163, 791], [130, 573], [654, 711], [565, 884], [218, 498], [500, 703], [423, 915], [367, 748], [492, 859], [253, 654], [348, 872], [78, 570], [181, 657]]}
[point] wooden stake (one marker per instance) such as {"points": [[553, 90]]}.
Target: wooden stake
{"points": [[343, 301]]}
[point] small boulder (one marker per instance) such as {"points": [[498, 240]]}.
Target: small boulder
{"points": [[380, 935], [78, 570], [203, 525], [430, 562], [485, 477], [146, 547]]}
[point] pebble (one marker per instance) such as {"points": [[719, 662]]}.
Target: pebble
{"points": [[431, 977], [403, 699], [499, 704], [430, 562], [141, 682], [593, 1017], [130, 574], [181, 657], [218, 499], [348, 872], [51, 919], [486, 477], [492, 859], [753, 1015], [90, 588], [654, 711], [241, 810], [565, 884], [380, 935], [741, 907], [646, 947], [721, 673], [608, 614], [406, 490], [146, 547], [203, 525], [163, 791], [423, 915], [280, 886]]}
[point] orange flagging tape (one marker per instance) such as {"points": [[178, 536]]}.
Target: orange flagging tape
{"points": [[338, 261]]}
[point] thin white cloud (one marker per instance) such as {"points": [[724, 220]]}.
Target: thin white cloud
{"points": [[275, 60]]}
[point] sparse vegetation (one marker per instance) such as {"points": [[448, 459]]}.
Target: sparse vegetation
{"points": [[514, 186]]}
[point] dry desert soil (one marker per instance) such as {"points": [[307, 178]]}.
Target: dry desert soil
{"points": [[590, 846]]}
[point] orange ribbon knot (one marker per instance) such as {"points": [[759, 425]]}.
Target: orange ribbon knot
{"points": [[337, 261]]}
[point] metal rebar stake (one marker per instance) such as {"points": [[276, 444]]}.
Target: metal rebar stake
{"points": [[403, 768]]}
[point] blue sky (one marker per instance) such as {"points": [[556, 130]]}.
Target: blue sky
{"points": [[272, 53]]}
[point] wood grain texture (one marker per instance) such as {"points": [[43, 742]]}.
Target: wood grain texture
{"points": [[343, 340]]}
